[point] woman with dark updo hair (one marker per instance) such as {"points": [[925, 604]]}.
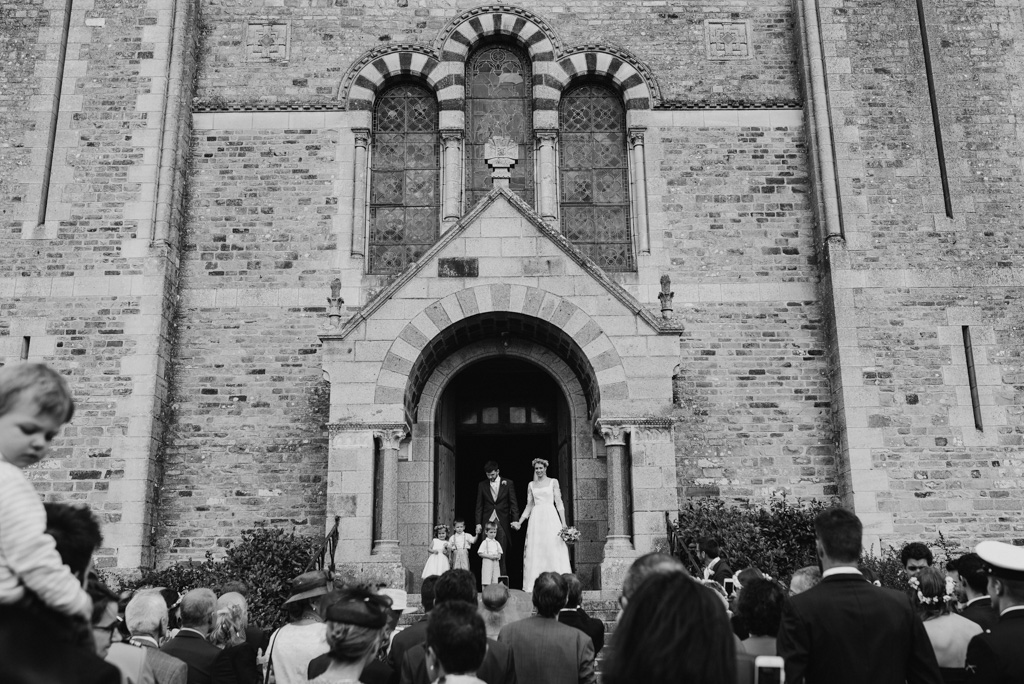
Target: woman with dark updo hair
{"points": [[355, 628]]}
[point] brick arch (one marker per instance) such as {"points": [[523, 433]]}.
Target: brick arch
{"points": [[630, 76], [368, 75], [458, 38], [497, 310]]}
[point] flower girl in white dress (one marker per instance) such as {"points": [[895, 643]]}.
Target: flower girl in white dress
{"points": [[437, 561]]}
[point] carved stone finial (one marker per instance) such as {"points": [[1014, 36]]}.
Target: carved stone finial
{"points": [[334, 303], [666, 296], [501, 154]]}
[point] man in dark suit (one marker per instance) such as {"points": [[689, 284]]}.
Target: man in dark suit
{"points": [[546, 651], [973, 575], [198, 608], [715, 567], [497, 666], [496, 500], [846, 631], [574, 615], [996, 657]]}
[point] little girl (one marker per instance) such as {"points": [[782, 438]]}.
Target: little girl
{"points": [[459, 543], [437, 562]]}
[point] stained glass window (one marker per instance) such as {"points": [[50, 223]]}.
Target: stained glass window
{"points": [[404, 193], [595, 176], [498, 103]]}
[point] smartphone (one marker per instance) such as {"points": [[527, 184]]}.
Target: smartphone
{"points": [[730, 586], [769, 670]]}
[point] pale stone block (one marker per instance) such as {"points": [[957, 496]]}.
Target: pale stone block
{"points": [[202, 121], [786, 118], [308, 120], [91, 286], [859, 458], [270, 120], [612, 375], [371, 350]]}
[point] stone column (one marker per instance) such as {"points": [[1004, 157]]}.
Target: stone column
{"points": [[636, 144], [547, 183], [362, 140], [618, 496], [386, 543], [452, 198]]}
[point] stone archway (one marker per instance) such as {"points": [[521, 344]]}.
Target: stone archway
{"points": [[587, 485]]}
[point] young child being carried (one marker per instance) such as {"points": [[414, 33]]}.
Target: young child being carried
{"points": [[437, 561], [460, 543], [490, 551], [34, 403]]}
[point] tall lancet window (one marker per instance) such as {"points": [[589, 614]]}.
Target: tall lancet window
{"points": [[498, 105], [595, 176], [404, 194]]}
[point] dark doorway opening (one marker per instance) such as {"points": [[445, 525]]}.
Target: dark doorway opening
{"points": [[511, 412]]}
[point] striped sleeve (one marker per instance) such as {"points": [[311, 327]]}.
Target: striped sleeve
{"points": [[28, 556]]}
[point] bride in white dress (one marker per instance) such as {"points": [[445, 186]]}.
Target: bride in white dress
{"points": [[545, 550]]}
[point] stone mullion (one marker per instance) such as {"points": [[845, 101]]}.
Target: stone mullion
{"points": [[362, 141], [639, 176], [451, 210], [547, 181]]}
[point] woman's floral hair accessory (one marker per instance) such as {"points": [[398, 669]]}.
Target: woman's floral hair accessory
{"points": [[539, 460], [949, 595], [440, 528]]}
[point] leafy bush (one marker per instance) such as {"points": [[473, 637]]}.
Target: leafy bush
{"points": [[266, 559], [776, 539]]}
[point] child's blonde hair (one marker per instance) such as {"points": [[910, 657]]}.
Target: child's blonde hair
{"points": [[39, 383], [441, 531]]}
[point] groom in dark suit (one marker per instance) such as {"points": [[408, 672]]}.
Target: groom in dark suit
{"points": [[496, 500]]}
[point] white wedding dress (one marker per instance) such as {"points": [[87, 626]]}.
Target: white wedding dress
{"points": [[545, 550]]}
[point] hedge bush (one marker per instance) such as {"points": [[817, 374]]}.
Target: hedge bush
{"points": [[778, 539], [266, 559]]}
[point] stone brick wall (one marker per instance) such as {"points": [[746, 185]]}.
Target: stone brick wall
{"points": [[732, 226], [324, 38], [88, 286], [908, 277], [247, 445]]}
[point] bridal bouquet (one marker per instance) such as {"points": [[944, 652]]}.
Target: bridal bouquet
{"points": [[570, 535]]}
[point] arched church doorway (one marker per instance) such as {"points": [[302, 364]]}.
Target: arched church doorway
{"points": [[507, 410]]}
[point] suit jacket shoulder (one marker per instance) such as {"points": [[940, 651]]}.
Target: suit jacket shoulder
{"points": [[983, 613], [166, 668], [996, 657], [197, 653]]}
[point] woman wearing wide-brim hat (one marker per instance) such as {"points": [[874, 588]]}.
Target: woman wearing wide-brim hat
{"points": [[304, 637]]}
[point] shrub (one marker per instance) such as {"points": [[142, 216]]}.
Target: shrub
{"points": [[776, 539], [266, 559]]}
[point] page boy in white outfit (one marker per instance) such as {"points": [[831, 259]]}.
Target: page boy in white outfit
{"points": [[490, 551]]}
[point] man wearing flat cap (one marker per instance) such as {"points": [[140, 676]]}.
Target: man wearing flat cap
{"points": [[997, 657]]}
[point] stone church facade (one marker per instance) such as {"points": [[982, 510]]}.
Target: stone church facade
{"points": [[325, 258]]}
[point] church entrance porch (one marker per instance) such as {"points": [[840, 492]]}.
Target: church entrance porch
{"points": [[508, 411]]}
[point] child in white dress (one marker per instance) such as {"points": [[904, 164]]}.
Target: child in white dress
{"points": [[460, 543], [437, 561], [490, 551]]}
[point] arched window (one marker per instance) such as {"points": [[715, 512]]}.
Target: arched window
{"points": [[498, 104], [404, 196], [595, 176]]}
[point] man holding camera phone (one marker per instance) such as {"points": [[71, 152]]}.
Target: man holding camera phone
{"points": [[847, 631]]}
